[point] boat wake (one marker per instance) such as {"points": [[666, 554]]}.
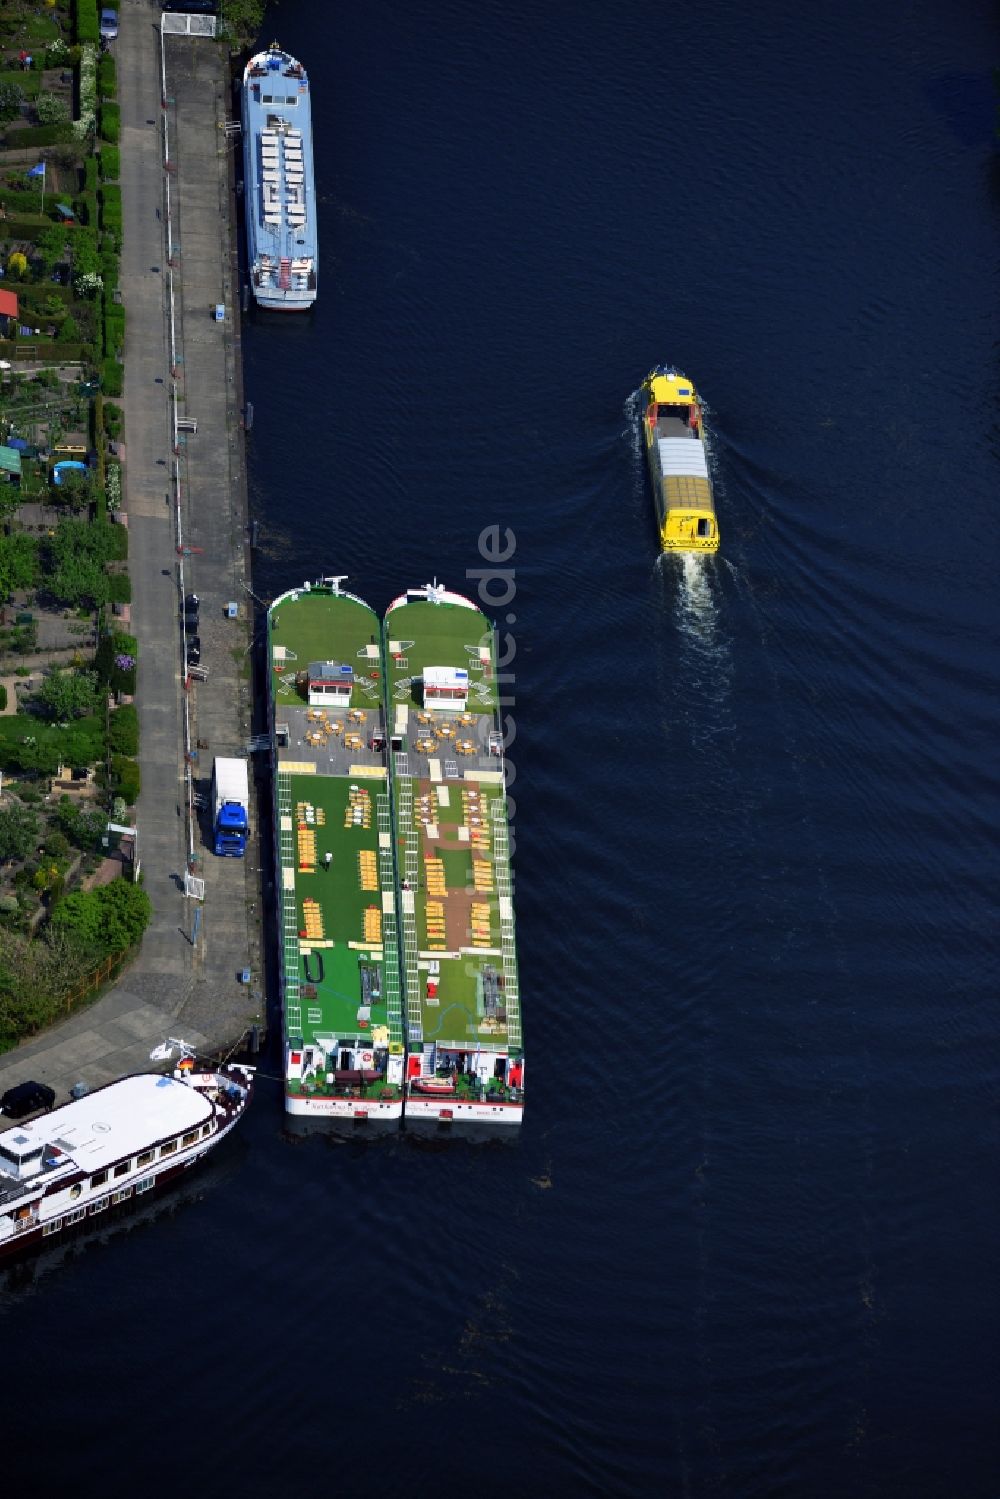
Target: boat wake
{"points": [[690, 590]]}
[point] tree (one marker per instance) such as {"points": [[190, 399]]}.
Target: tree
{"points": [[36, 975], [50, 245], [18, 831], [111, 918], [84, 827], [18, 563], [17, 264], [67, 694]]}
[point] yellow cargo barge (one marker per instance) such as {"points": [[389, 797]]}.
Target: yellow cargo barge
{"points": [[674, 435]]}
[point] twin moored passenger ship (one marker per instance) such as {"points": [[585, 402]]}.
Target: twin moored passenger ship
{"points": [[399, 976]]}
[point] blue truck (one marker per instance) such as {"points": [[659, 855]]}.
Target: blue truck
{"points": [[230, 807]]}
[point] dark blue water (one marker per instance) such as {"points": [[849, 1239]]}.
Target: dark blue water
{"points": [[746, 1243]]}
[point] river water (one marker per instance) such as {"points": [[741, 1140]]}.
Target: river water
{"points": [[745, 1244]]}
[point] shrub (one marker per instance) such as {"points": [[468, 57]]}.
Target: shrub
{"points": [[125, 778], [51, 109], [83, 826], [110, 123], [113, 419], [11, 100], [113, 498], [115, 661], [56, 844], [68, 331], [110, 164], [3, 699], [17, 266], [112, 377], [83, 247], [87, 285]]}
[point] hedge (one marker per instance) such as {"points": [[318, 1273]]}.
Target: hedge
{"points": [[111, 206], [39, 135], [26, 227], [119, 588], [43, 348], [87, 27], [90, 175], [123, 731], [22, 199], [112, 377], [86, 208], [110, 163], [111, 121], [125, 778], [106, 82], [114, 332], [109, 271]]}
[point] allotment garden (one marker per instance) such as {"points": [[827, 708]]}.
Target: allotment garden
{"points": [[68, 724]]}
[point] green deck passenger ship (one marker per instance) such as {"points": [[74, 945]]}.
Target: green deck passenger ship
{"points": [[465, 1058], [335, 874]]}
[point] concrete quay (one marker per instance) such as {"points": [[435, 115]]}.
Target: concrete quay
{"points": [[186, 979]]}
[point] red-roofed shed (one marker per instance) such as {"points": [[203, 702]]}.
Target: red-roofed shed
{"points": [[8, 307]]}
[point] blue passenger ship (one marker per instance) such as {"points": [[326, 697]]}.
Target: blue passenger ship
{"points": [[279, 185]]}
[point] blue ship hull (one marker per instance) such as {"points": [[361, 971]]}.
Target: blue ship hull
{"points": [[279, 183]]}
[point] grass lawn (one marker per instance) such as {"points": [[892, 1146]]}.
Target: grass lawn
{"points": [[30, 83], [14, 726]]}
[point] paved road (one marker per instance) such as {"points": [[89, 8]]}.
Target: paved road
{"points": [[177, 986]]}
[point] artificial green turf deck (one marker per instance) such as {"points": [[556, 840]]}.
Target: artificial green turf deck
{"points": [[440, 635]]}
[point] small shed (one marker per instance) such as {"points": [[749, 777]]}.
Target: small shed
{"points": [[8, 309], [10, 463]]}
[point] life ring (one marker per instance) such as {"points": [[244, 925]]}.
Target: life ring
{"points": [[366, 1057]]}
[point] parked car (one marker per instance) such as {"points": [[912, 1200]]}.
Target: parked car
{"points": [[192, 604], [193, 650], [25, 1098], [109, 25]]}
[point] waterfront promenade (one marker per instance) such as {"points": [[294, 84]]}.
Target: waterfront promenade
{"points": [[186, 978]]}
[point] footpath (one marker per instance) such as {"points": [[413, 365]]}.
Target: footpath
{"points": [[187, 980]]}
